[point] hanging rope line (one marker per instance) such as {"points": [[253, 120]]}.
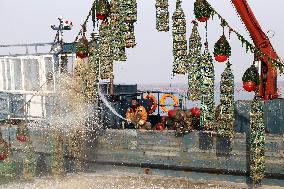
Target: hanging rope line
{"points": [[276, 62], [84, 25]]}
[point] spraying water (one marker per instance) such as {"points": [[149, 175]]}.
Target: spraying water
{"points": [[108, 105]]}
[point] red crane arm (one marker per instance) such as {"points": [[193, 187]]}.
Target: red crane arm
{"points": [[268, 78]]}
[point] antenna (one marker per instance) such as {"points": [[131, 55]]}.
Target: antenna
{"points": [[64, 24], [58, 44]]}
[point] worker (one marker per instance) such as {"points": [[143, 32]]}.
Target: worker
{"points": [[136, 115]]}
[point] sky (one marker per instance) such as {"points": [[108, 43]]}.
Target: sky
{"points": [[150, 62]]}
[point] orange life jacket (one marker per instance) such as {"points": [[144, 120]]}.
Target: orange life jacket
{"points": [[138, 116]]}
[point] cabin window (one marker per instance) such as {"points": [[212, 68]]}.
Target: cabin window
{"points": [[70, 66], [17, 73], [3, 75], [49, 73], [31, 74], [8, 75]]}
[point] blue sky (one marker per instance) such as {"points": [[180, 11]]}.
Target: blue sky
{"points": [[28, 21]]}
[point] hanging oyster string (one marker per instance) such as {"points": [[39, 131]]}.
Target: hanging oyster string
{"points": [[128, 10], [179, 41], [226, 118], [91, 72], [162, 15], [105, 51], [194, 62], [116, 20], [207, 119], [257, 141]]}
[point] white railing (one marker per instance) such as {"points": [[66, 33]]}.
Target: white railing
{"points": [[28, 82], [27, 73]]}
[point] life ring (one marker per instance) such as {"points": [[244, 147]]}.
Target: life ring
{"points": [[163, 98], [154, 103]]}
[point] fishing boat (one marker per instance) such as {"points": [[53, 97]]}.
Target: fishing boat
{"points": [[29, 95]]}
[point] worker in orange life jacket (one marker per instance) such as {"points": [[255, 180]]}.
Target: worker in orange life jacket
{"points": [[136, 115]]}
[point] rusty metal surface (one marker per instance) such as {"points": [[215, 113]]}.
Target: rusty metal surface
{"points": [[133, 146], [273, 116], [165, 153]]}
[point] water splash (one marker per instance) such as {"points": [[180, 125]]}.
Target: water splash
{"points": [[68, 107], [108, 105]]}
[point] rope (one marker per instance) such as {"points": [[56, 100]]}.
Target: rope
{"points": [[277, 62], [84, 24], [206, 38]]}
